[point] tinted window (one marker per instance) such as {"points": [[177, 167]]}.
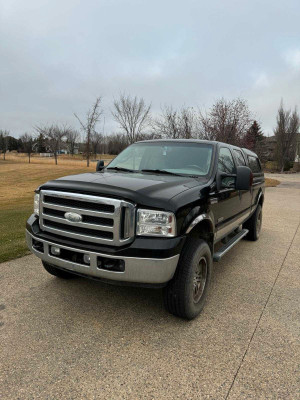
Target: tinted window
{"points": [[226, 165], [187, 158], [239, 157], [225, 162], [254, 164]]}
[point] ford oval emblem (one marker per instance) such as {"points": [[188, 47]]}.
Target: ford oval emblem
{"points": [[73, 217]]}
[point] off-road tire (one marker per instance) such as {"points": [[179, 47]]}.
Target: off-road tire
{"points": [[180, 294], [57, 272], [254, 224]]}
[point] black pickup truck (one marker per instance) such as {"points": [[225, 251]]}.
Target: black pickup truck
{"points": [[158, 216]]}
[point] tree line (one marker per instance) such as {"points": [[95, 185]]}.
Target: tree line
{"points": [[228, 121]]}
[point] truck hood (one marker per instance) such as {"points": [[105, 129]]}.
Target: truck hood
{"points": [[145, 189]]}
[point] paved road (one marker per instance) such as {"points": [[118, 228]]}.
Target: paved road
{"points": [[84, 340]]}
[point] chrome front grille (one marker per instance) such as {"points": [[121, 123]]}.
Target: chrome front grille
{"points": [[103, 220]]}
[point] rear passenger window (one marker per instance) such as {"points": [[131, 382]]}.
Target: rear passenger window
{"points": [[239, 157], [254, 164]]}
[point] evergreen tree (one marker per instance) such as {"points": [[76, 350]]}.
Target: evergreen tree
{"points": [[41, 147], [253, 136], [12, 143], [256, 141]]}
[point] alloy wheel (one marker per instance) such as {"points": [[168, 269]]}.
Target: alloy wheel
{"points": [[199, 280]]}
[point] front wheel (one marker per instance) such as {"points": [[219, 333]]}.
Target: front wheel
{"points": [[185, 294]]}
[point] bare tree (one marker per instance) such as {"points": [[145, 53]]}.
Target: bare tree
{"points": [[133, 116], [175, 124], [72, 138], [150, 136], [89, 125], [204, 129], [286, 131], [54, 135], [167, 125], [4, 141], [187, 123], [27, 143], [96, 139], [227, 121], [116, 143]]}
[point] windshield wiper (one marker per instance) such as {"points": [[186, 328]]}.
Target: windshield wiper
{"points": [[160, 171], [121, 169]]}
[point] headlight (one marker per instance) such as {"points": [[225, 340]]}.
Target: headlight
{"points": [[155, 223], [36, 204]]}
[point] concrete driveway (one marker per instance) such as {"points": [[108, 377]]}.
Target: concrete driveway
{"points": [[81, 339]]}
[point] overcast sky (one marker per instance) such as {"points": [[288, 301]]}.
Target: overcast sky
{"points": [[57, 56]]}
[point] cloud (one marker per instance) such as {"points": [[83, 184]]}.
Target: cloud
{"points": [[57, 56], [265, 99], [261, 80], [292, 58]]}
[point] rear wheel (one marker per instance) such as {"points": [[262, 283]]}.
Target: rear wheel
{"points": [[185, 294], [254, 224], [57, 272]]}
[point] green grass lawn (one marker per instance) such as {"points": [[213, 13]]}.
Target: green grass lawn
{"points": [[17, 184], [12, 232]]}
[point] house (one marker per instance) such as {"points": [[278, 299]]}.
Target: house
{"points": [[76, 149], [35, 148], [271, 147]]}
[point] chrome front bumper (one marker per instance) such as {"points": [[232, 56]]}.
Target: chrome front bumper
{"points": [[137, 270]]}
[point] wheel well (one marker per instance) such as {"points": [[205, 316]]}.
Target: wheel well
{"points": [[204, 230]]}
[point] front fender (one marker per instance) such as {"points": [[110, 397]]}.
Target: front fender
{"points": [[196, 216]]}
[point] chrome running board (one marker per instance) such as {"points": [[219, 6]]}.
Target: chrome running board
{"points": [[232, 242]]}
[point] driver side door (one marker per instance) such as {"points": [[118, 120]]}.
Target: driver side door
{"points": [[225, 203]]}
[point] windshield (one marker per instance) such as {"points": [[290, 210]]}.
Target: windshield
{"points": [[180, 158]]}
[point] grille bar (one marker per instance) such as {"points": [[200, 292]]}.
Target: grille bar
{"points": [[85, 218], [78, 224], [102, 217], [78, 210], [55, 226], [72, 201]]}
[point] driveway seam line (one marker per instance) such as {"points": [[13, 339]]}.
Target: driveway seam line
{"points": [[261, 314]]}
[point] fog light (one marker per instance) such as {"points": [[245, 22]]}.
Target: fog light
{"points": [[109, 264], [55, 250], [86, 259]]}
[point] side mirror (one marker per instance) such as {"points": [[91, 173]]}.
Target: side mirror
{"points": [[220, 180], [100, 165], [244, 178]]}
